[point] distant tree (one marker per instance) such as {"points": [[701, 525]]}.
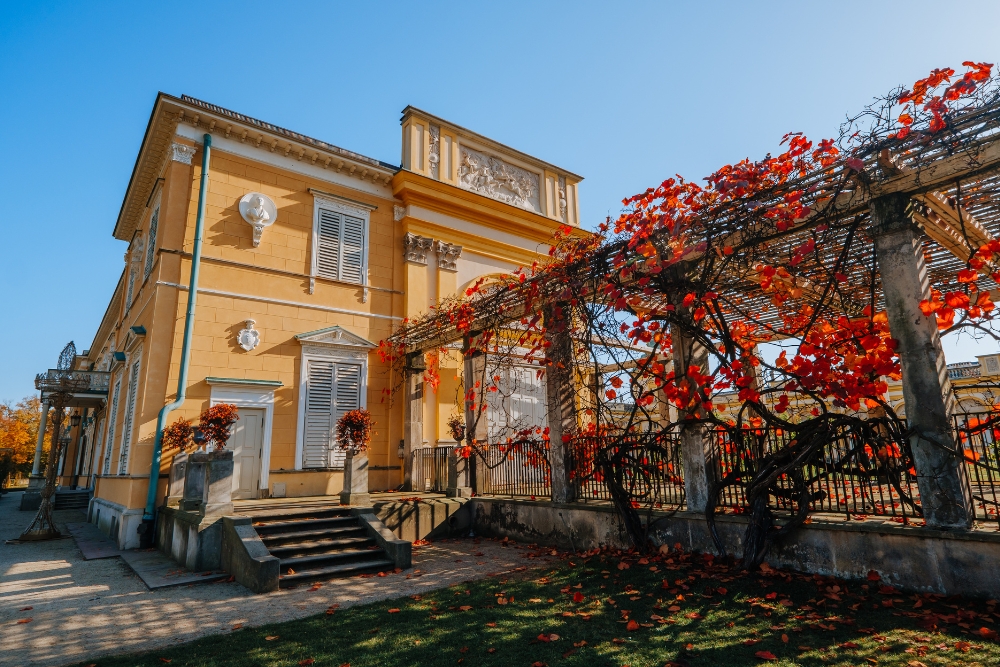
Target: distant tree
{"points": [[19, 431]]}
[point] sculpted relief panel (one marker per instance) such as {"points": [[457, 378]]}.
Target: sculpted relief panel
{"points": [[496, 179]]}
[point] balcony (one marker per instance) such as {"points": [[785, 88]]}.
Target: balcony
{"points": [[964, 370], [86, 388]]}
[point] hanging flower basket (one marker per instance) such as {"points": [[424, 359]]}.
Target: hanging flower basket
{"points": [[216, 422], [354, 431], [178, 435], [456, 424]]}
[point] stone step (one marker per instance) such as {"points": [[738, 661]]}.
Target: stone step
{"points": [[293, 512], [331, 571], [284, 524], [308, 561], [310, 547], [71, 500], [279, 539]]}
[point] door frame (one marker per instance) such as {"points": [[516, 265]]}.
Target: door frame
{"points": [[250, 394]]}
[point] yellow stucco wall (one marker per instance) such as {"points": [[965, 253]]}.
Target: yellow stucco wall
{"points": [[270, 284]]}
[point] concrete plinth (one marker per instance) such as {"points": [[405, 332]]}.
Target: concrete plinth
{"points": [[355, 481], [458, 476]]}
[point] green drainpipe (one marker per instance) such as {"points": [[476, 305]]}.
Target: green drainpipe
{"points": [[149, 516]]}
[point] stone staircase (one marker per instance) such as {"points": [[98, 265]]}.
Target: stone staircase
{"points": [[318, 542], [67, 499]]}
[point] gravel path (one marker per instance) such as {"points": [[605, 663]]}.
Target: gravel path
{"points": [[85, 609]]}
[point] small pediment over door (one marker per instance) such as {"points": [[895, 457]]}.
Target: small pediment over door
{"points": [[335, 341]]}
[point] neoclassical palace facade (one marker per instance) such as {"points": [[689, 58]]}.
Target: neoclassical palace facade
{"points": [[311, 254]]}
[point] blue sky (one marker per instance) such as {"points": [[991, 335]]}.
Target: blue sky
{"points": [[625, 94]]}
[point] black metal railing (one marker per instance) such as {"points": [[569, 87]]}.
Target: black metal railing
{"points": [[431, 467], [648, 465], [518, 469], [851, 478], [978, 439]]}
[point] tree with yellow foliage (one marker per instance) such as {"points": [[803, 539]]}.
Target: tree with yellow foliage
{"points": [[19, 430]]}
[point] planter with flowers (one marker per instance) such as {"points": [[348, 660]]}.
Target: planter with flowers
{"points": [[202, 479], [354, 435]]}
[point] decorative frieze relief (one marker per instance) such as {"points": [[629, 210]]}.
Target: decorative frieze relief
{"points": [[447, 255], [398, 212], [181, 153], [562, 198], [434, 154], [415, 248], [492, 177]]}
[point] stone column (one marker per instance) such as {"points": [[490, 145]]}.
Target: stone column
{"points": [[40, 442], [941, 475], [413, 420], [476, 419], [697, 454], [560, 400]]}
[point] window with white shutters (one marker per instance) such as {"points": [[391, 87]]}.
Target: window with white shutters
{"points": [[151, 242], [332, 389], [133, 388], [112, 418], [340, 246], [131, 288], [519, 403]]}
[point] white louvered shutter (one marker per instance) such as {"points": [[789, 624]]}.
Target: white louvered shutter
{"points": [[131, 288], [133, 390], [328, 245], [340, 247], [318, 429], [151, 242], [352, 249], [112, 418], [347, 398]]}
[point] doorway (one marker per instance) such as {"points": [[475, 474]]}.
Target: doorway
{"points": [[247, 444]]}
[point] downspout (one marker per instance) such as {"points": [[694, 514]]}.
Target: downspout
{"points": [[149, 515]]}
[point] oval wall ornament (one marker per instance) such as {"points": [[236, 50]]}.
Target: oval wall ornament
{"points": [[248, 338], [259, 211]]}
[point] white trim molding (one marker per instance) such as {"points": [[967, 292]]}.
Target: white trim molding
{"points": [[249, 394]]}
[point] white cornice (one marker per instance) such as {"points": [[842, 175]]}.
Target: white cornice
{"points": [[342, 177]]}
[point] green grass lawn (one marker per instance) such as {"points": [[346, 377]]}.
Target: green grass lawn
{"points": [[621, 609]]}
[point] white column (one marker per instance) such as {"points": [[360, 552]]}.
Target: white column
{"points": [[36, 464], [413, 421]]}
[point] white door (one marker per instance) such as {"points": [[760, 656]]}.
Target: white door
{"points": [[247, 443]]}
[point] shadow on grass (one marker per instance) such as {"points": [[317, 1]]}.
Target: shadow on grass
{"points": [[592, 614]]}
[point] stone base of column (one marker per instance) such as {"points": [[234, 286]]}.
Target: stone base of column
{"points": [[458, 492], [36, 482], [31, 501], [356, 499]]}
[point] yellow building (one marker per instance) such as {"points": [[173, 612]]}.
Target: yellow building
{"points": [[311, 255]]}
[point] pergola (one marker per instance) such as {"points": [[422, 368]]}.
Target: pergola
{"points": [[894, 214]]}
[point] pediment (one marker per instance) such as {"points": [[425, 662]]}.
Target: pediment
{"points": [[335, 336]]}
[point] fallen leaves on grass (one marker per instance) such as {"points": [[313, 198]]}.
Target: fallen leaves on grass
{"points": [[270, 638], [237, 626], [766, 655], [632, 626], [394, 610], [306, 662]]}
